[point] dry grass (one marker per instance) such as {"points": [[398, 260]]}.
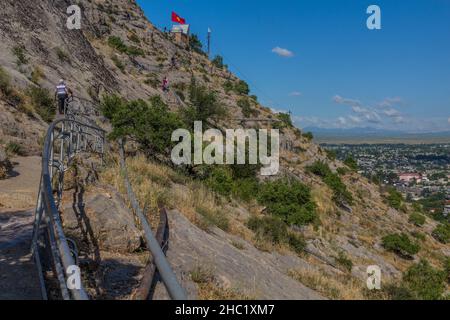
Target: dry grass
{"points": [[333, 287], [156, 185]]}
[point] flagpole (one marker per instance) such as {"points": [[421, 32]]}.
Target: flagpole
{"points": [[209, 42]]}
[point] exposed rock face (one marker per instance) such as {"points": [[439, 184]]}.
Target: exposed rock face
{"points": [[254, 273], [102, 219]]}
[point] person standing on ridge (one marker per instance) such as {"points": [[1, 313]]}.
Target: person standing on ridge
{"points": [[61, 94], [165, 84]]}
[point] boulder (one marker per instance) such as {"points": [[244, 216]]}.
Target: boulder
{"points": [[104, 220]]}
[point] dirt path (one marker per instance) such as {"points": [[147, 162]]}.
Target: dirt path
{"points": [[18, 276]]}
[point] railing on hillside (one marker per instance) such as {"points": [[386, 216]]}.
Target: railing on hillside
{"points": [[168, 277], [65, 139]]}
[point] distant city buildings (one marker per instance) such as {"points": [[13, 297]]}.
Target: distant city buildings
{"points": [[417, 171], [410, 177]]}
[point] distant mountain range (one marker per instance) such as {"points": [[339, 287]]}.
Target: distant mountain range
{"points": [[373, 135]]}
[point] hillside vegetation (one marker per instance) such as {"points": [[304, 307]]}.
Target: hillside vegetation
{"points": [[318, 215]]}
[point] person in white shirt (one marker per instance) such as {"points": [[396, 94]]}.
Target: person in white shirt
{"points": [[61, 94]]}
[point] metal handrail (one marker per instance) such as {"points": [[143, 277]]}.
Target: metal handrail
{"points": [[74, 137], [168, 277]]}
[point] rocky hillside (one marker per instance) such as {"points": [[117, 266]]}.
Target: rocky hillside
{"points": [[118, 51]]}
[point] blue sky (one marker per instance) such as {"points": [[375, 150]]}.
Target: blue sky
{"points": [[319, 60]]}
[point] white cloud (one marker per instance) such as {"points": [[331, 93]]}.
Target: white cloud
{"points": [[342, 121], [283, 52], [391, 112], [390, 102], [355, 119], [296, 94], [448, 120], [344, 101]]}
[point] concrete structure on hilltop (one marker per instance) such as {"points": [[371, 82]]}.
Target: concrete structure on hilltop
{"points": [[181, 33]]}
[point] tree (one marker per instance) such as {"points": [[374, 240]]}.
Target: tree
{"points": [[218, 62], [195, 44], [395, 199], [242, 87], [149, 123], [204, 105]]}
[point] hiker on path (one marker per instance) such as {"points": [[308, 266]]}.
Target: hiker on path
{"points": [[173, 62], [165, 84], [61, 94]]}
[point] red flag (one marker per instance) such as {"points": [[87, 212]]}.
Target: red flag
{"points": [[177, 18]]}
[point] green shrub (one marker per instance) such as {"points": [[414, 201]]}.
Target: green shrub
{"points": [[400, 244], [275, 231], [320, 169], [117, 43], [342, 171], [62, 55], [19, 53], [43, 103], [344, 261], [245, 106], [204, 105], [135, 51], [419, 235], [14, 148], [242, 87], [228, 86], [395, 199], [195, 44], [447, 269], [5, 82], [289, 201], [398, 292], [308, 136], [331, 154], [340, 193], [246, 189], [426, 282], [150, 124], [152, 80], [221, 180], [417, 219], [351, 163], [285, 119], [296, 242], [214, 217], [118, 63], [134, 38], [268, 228], [218, 62], [442, 233], [36, 75]]}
